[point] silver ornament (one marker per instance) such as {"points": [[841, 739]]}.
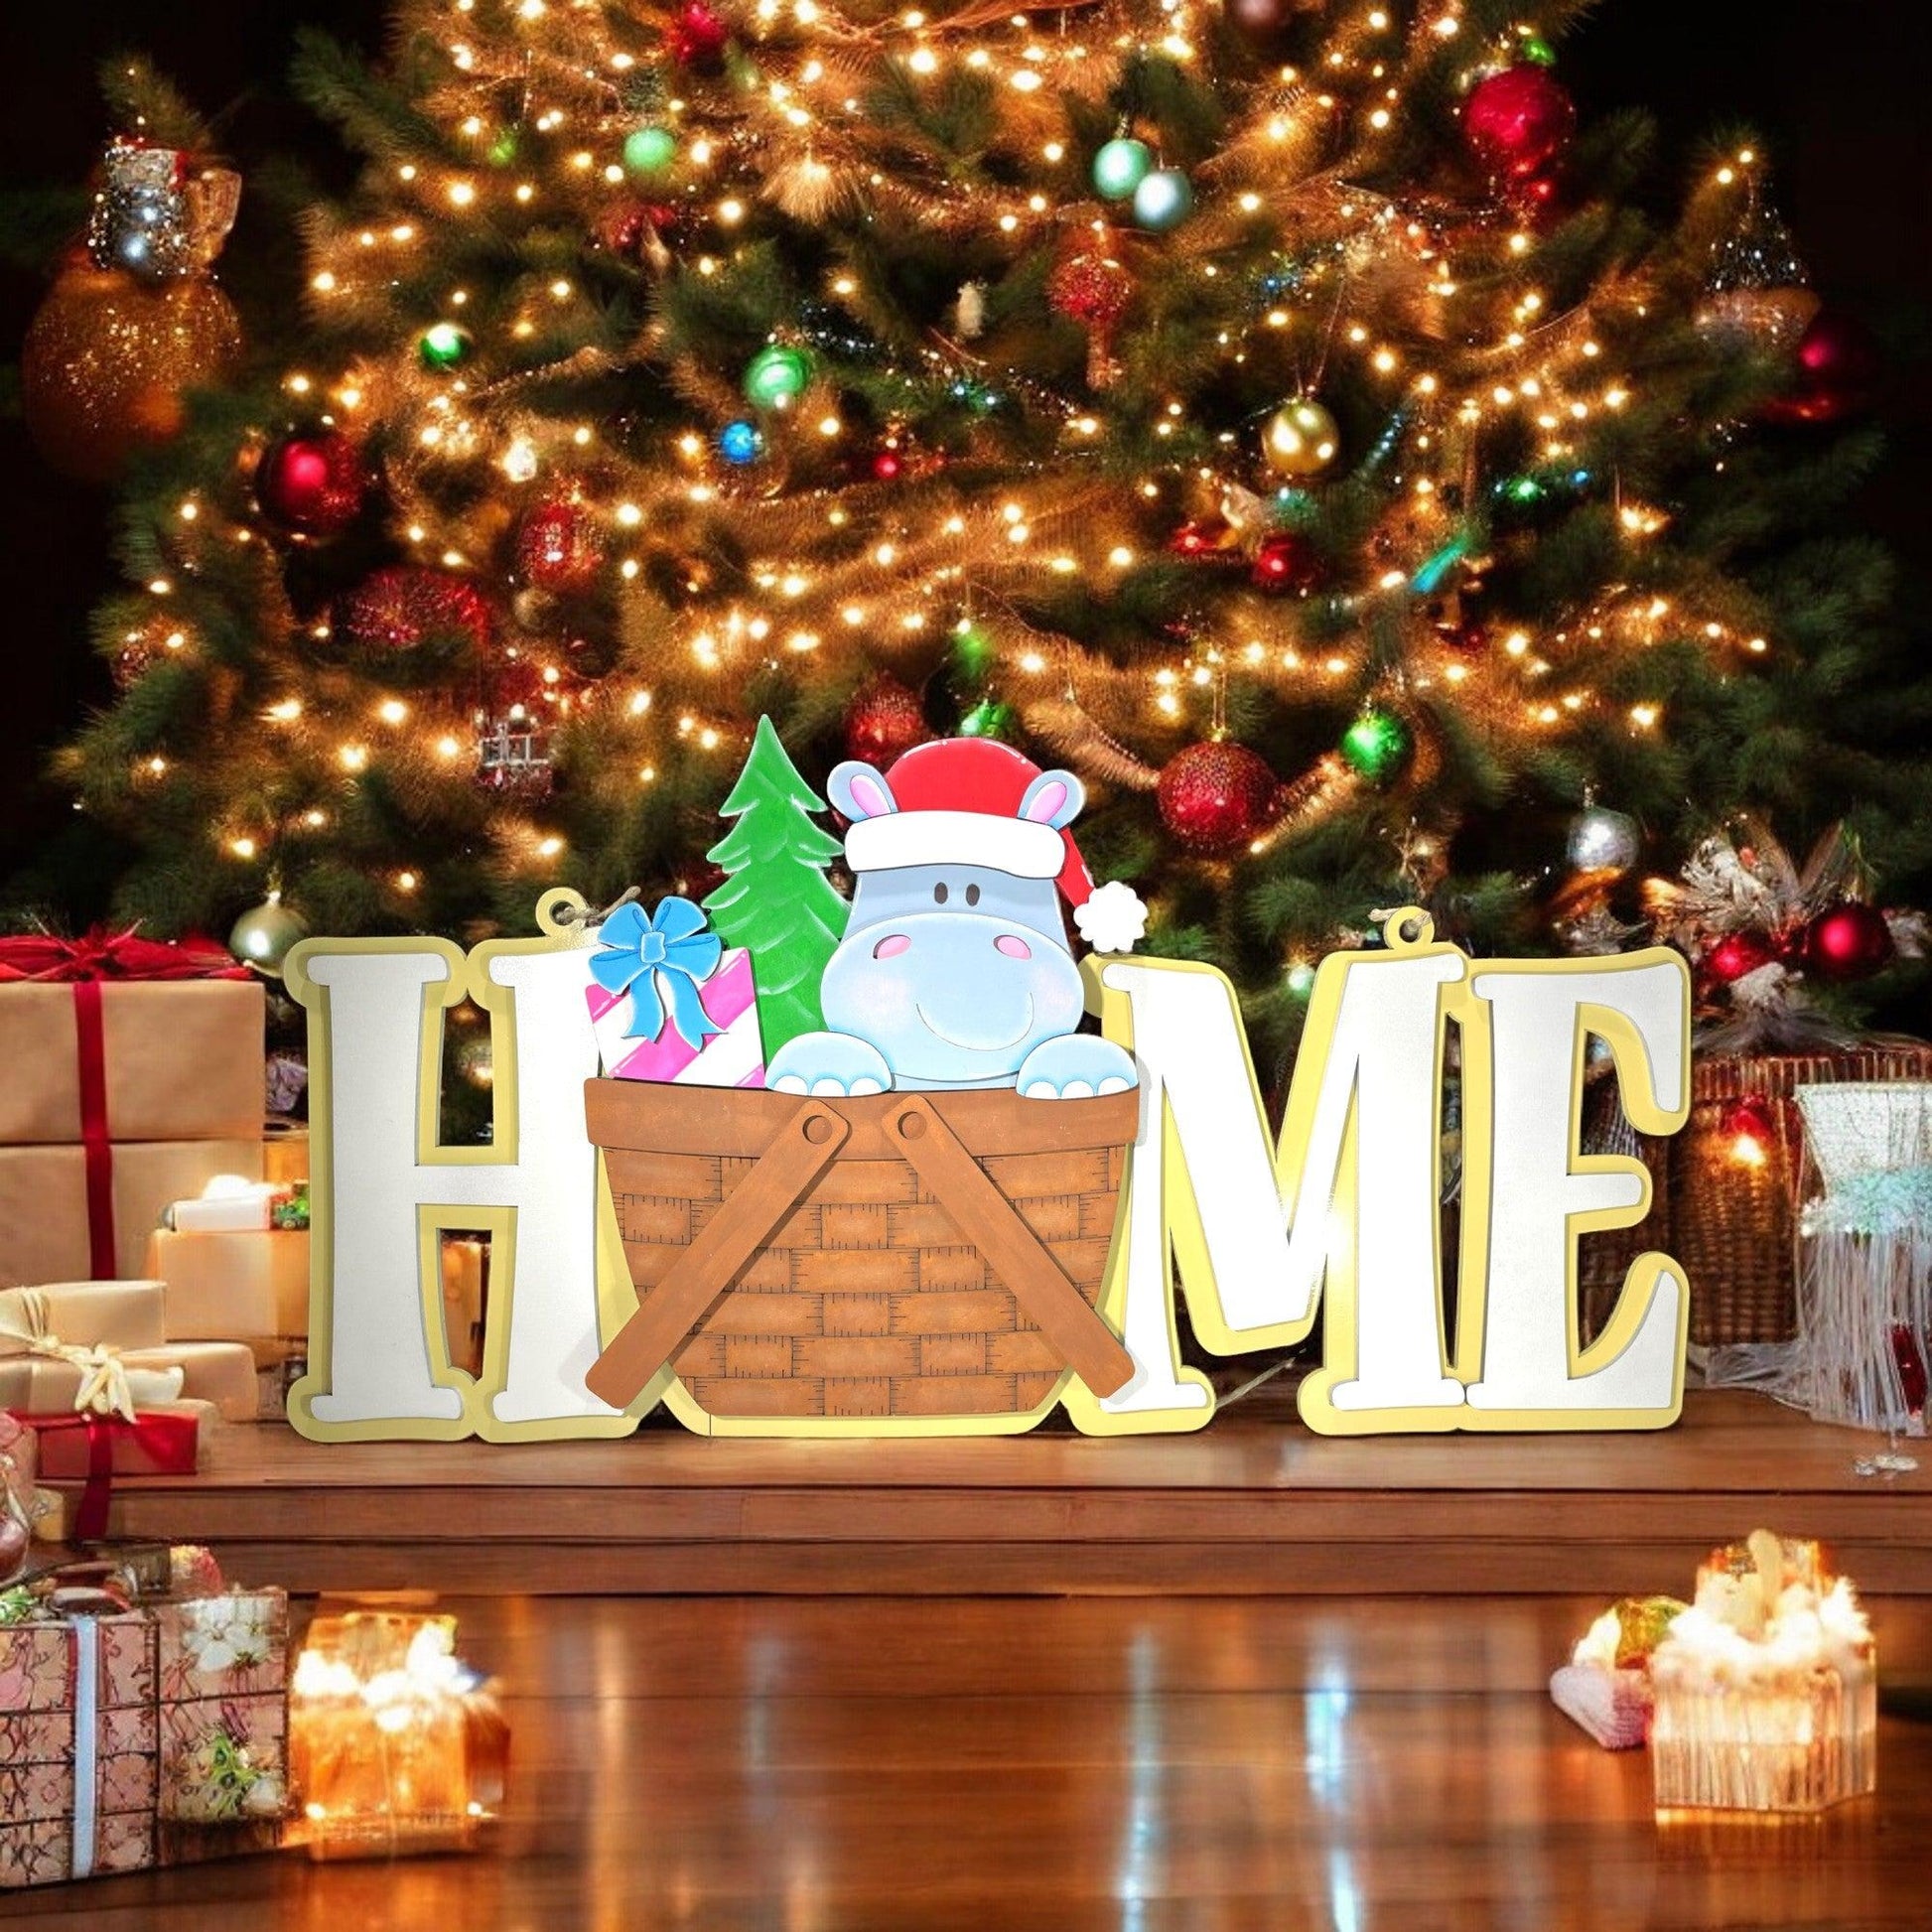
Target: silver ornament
{"points": [[1601, 840], [263, 935]]}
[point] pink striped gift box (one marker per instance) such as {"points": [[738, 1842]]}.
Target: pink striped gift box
{"points": [[732, 1058]]}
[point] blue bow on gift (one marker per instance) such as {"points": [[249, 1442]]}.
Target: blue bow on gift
{"points": [[654, 957]]}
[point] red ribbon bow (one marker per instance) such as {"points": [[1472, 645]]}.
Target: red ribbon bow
{"points": [[104, 956]]}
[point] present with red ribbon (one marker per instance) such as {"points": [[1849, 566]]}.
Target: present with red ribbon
{"points": [[134, 1076], [93, 1448]]}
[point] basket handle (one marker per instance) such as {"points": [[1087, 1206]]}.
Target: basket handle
{"points": [[986, 1218], [786, 1170]]}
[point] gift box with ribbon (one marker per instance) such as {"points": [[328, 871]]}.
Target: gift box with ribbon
{"points": [[134, 1075], [57, 1341], [137, 1732], [396, 1745], [670, 1004], [91, 1448]]}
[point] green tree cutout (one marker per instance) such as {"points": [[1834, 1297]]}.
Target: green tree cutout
{"points": [[777, 900]]}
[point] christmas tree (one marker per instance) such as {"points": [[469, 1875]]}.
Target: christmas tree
{"points": [[776, 899], [1286, 415]]}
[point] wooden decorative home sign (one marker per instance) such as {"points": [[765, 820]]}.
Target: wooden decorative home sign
{"points": [[786, 1258]]}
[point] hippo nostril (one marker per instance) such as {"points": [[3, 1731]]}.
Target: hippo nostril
{"points": [[1014, 946], [891, 946]]}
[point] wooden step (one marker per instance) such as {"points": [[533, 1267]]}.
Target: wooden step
{"points": [[1253, 1504]]}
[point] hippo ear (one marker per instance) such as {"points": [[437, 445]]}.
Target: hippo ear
{"points": [[1053, 798], [859, 793]]}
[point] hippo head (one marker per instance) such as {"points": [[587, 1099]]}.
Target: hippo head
{"points": [[955, 963]]}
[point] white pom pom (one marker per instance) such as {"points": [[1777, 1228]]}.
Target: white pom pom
{"points": [[1114, 918]]}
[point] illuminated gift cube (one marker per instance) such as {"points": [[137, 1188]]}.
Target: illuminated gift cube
{"points": [[396, 1746], [1767, 1689]]}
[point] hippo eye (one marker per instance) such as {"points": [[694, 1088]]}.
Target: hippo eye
{"points": [[939, 896], [972, 895]]}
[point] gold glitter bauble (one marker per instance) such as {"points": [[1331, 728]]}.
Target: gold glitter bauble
{"points": [[108, 360], [1300, 438]]}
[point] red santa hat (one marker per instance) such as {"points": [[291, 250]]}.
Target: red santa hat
{"points": [[966, 801]]}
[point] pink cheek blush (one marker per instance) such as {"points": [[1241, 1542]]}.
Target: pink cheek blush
{"points": [[892, 946], [1013, 948]]}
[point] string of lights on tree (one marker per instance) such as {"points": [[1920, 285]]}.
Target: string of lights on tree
{"points": [[1153, 381]]}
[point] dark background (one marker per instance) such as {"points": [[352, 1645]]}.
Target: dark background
{"points": [[1838, 93]]}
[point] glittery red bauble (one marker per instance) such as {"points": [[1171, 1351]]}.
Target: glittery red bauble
{"points": [[406, 606], [1736, 954], [1285, 562], [559, 547], [1847, 942], [1217, 797], [1749, 1118], [888, 465], [1092, 289], [1837, 368], [624, 226], [311, 483], [883, 720], [1206, 536], [1518, 121], [696, 37]]}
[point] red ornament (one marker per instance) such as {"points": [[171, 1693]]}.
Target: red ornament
{"points": [[624, 226], [1217, 797], [696, 37], [311, 483], [1516, 122], [1285, 562], [406, 606], [883, 720], [888, 465], [1204, 538], [1093, 289], [1837, 368], [1749, 1128], [1736, 954], [1847, 942], [559, 547], [1910, 1360]]}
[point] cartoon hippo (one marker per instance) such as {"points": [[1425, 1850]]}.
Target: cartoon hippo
{"points": [[955, 969]]}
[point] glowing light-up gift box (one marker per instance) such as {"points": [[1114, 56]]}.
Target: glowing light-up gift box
{"points": [[396, 1746], [1766, 1688]]}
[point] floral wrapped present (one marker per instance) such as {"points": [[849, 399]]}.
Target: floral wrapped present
{"points": [[669, 1004], [134, 1074], [137, 1733]]}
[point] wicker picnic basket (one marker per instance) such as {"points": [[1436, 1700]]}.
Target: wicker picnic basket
{"points": [[904, 1255], [1729, 1223]]}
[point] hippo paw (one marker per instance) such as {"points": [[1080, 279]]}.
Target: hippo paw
{"points": [[1076, 1067], [828, 1063]]}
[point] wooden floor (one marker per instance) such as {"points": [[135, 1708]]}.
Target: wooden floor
{"points": [[1253, 1504], [1036, 1766]]}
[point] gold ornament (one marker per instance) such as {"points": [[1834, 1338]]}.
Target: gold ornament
{"points": [[1300, 438], [108, 360]]}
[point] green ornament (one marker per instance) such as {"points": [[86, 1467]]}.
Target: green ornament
{"points": [[1376, 746], [647, 150], [972, 649], [988, 719], [1521, 489], [776, 899], [444, 346], [1534, 49], [502, 150], [1120, 167], [777, 376]]}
